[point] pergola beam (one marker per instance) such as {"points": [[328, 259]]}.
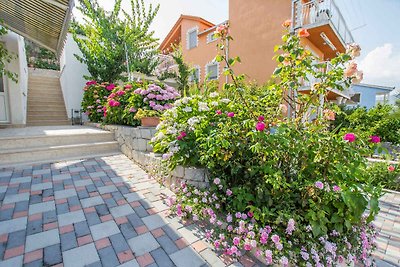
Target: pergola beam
{"points": [[57, 4]]}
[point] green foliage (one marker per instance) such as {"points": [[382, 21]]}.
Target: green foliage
{"points": [[184, 71], [41, 58], [109, 43], [381, 174], [6, 57], [380, 120], [94, 100], [143, 113]]}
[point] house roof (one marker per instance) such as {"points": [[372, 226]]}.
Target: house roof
{"points": [[175, 31], [388, 88], [44, 22]]}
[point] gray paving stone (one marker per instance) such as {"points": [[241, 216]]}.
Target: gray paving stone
{"points": [[13, 225], [161, 258], [6, 215], [132, 263], [145, 185], [16, 198], [65, 193], [49, 216], [62, 208], [60, 177], [188, 234], [119, 243], [81, 229], [12, 262], [107, 189], [41, 171], [187, 257], [5, 173], [105, 229], [20, 180], [42, 186], [16, 239], [141, 212], [74, 257], [154, 221], [42, 240], [172, 233], [77, 169], [102, 210], [143, 243], [83, 182], [110, 202], [52, 255], [167, 244], [68, 241], [120, 211], [3, 189], [71, 217], [160, 205], [34, 227], [108, 257], [212, 258], [21, 206], [83, 194], [127, 230], [95, 264], [92, 218], [135, 220], [92, 201], [97, 174], [42, 207]]}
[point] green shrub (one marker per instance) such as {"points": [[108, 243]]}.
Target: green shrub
{"points": [[384, 174], [94, 100]]}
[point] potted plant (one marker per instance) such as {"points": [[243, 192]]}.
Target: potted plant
{"points": [[148, 118]]}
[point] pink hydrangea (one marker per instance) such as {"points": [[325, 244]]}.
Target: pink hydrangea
{"points": [[120, 92], [93, 82], [275, 239], [260, 118], [236, 240], [128, 86], [350, 137], [290, 227], [110, 87], [217, 181], [319, 185], [228, 192]]}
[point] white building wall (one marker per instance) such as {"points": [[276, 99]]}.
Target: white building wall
{"points": [[17, 92], [71, 78]]}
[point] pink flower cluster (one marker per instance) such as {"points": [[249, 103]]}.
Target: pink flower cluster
{"points": [[110, 87], [158, 98], [114, 103], [91, 83]]}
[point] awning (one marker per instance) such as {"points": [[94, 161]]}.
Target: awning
{"points": [[44, 22]]}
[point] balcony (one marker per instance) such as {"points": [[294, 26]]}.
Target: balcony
{"points": [[325, 23]]}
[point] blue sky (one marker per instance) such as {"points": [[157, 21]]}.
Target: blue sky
{"points": [[374, 24]]}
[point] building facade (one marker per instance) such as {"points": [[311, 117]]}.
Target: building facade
{"points": [[368, 95]]}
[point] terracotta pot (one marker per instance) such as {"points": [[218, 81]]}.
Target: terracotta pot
{"points": [[150, 121]]}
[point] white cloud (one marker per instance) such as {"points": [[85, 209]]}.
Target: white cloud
{"points": [[381, 66]]}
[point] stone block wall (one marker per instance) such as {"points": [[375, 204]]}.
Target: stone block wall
{"points": [[134, 143]]}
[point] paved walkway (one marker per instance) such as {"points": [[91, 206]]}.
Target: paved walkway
{"points": [[95, 212], [107, 212]]}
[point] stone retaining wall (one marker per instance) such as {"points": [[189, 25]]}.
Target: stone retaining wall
{"points": [[134, 143]]}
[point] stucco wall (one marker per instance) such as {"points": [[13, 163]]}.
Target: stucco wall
{"points": [[71, 78], [367, 95], [17, 92]]}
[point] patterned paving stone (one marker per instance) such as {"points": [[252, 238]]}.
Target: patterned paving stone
{"points": [[41, 186], [42, 240], [105, 229], [13, 225], [154, 221], [80, 256], [143, 244], [187, 257], [16, 198], [71, 217], [92, 201], [120, 211]]}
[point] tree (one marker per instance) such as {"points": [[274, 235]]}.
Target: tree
{"points": [[6, 57], [107, 41], [184, 70]]}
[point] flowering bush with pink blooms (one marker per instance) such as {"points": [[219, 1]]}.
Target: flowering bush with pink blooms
{"points": [[287, 188], [94, 99]]}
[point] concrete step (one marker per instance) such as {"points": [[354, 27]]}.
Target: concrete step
{"points": [[48, 122], [10, 157], [53, 92], [46, 98], [46, 117], [42, 111], [43, 101], [36, 141], [47, 108]]}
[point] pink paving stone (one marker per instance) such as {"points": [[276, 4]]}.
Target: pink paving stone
{"points": [[121, 220], [199, 246], [70, 186], [46, 180], [3, 238], [66, 229], [33, 193], [49, 226], [83, 240], [13, 185], [247, 261], [157, 232], [90, 209], [141, 229], [102, 243], [7, 206], [109, 183], [93, 194], [121, 202], [135, 204], [181, 243], [34, 217], [61, 201], [45, 199], [125, 256], [34, 255], [75, 208], [20, 214], [151, 211], [120, 184], [106, 218], [23, 191], [145, 260], [106, 196], [13, 252], [80, 188]]}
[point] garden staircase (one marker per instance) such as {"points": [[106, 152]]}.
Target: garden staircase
{"points": [[45, 99]]}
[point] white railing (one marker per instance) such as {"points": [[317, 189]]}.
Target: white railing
{"points": [[317, 12]]}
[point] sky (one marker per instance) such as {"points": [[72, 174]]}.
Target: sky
{"points": [[373, 23]]}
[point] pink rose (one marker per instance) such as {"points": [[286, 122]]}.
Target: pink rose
{"points": [[260, 118], [231, 114], [350, 70], [260, 126], [350, 137], [391, 168], [218, 112], [374, 139]]}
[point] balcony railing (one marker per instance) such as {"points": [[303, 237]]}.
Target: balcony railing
{"points": [[316, 12]]}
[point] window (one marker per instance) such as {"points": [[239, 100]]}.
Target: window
{"points": [[381, 98], [356, 97], [1, 83], [211, 37], [195, 77], [192, 38], [212, 71]]}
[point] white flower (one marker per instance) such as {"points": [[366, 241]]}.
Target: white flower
{"points": [[159, 136], [173, 147], [178, 103], [214, 94], [185, 100], [225, 100], [214, 103], [203, 106], [172, 130], [187, 109], [193, 120]]}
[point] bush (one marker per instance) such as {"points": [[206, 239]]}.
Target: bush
{"points": [[94, 100], [379, 121], [291, 190], [384, 174]]}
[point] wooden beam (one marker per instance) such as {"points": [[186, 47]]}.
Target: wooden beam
{"points": [[57, 4]]}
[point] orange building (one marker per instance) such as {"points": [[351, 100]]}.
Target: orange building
{"points": [[256, 27]]}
